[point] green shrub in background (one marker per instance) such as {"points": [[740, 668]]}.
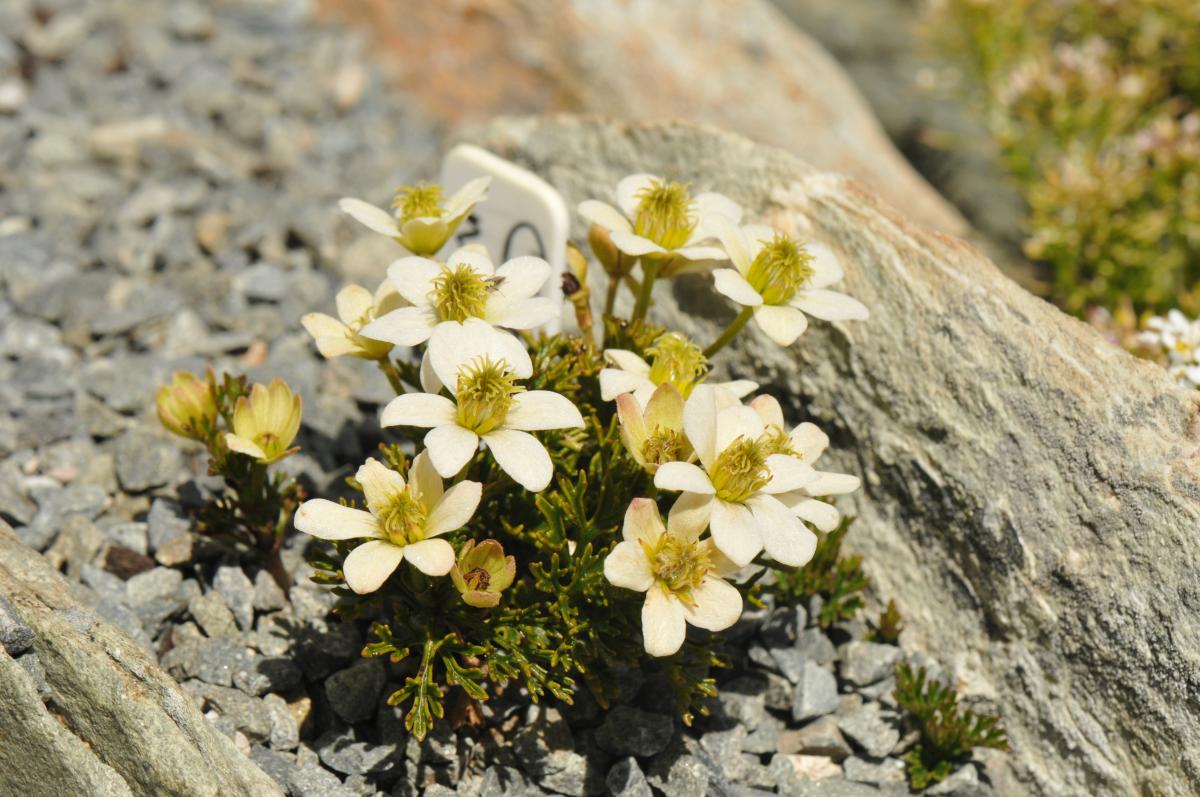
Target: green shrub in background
{"points": [[1095, 106]]}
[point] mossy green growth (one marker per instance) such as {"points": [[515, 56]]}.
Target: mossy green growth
{"points": [[1095, 107], [838, 579], [947, 731]]}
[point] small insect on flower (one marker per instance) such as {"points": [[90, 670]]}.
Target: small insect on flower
{"points": [[660, 219], [188, 406], [674, 360], [422, 219], [482, 572], [356, 308], [782, 279], [266, 423], [403, 520], [681, 574]]}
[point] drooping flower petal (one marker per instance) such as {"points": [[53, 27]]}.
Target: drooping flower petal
{"points": [[521, 456], [369, 216], [716, 605], [664, 623], [781, 323], [784, 537], [732, 284], [450, 447], [370, 564], [822, 515], [432, 557]]}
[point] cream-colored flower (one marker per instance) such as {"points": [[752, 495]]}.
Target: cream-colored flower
{"points": [[266, 423], [674, 360], [188, 406], [473, 361], [782, 280], [806, 442], [735, 486], [422, 219], [1179, 338], [482, 572], [654, 435], [466, 286], [403, 520], [356, 308], [681, 574], [659, 219]]}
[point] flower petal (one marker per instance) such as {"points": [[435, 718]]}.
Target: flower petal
{"points": [[453, 345], [780, 323], [643, 524], [634, 245], [729, 282], [827, 269], [596, 212], [784, 537], [711, 206], [243, 446], [819, 513], [735, 532], [370, 564], [369, 216], [522, 277], [700, 422], [329, 520], [537, 410], [736, 244], [664, 409], [684, 477], [473, 256], [321, 325], [521, 313], [628, 189], [633, 424], [472, 193], [627, 361], [379, 482], [423, 478], [520, 455], [419, 409], [809, 441], [615, 381], [730, 394], [716, 605], [429, 381], [734, 423], [664, 623], [702, 254], [432, 557], [787, 474], [769, 409], [413, 277], [830, 305], [407, 326], [827, 483], [628, 567], [353, 303], [453, 509], [689, 515], [450, 447]]}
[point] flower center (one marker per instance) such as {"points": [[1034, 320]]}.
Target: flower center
{"points": [[403, 519], [478, 579], [664, 214], [269, 442], [485, 393], [776, 441], [740, 470], [423, 200], [665, 445], [459, 294], [678, 565], [780, 268], [677, 360]]}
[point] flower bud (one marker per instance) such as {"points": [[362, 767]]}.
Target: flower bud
{"points": [[482, 572], [266, 423], [188, 406], [607, 253]]}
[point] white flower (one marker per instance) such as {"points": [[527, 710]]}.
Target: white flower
{"points": [[659, 219], [423, 220], [654, 434], [673, 360], [474, 362], [735, 489], [1180, 339], [782, 280], [680, 574], [356, 308], [402, 521], [467, 286], [806, 442]]}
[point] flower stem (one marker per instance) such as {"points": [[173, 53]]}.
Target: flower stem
{"points": [[730, 332], [393, 375], [649, 273], [614, 282]]}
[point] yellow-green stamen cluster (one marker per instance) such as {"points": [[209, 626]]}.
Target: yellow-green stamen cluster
{"points": [[665, 214], [665, 445], [423, 200], [740, 470], [485, 394], [459, 293], [403, 518], [675, 359], [780, 269], [678, 565], [777, 441]]}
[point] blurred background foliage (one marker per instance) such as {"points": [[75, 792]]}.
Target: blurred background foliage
{"points": [[1094, 104]]}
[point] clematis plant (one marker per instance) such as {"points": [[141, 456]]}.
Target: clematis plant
{"points": [[511, 527]]}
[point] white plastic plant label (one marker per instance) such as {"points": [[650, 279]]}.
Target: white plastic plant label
{"points": [[523, 214]]}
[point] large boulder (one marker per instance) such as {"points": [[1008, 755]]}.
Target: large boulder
{"points": [[84, 710], [739, 64], [1032, 494]]}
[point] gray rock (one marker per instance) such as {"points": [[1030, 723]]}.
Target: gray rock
{"points": [[285, 733], [37, 674], [819, 737], [813, 645], [321, 648], [268, 596], [153, 740], [313, 781], [163, 523], [144, 460], [502, 781], [77, 545], [213, 661], [15, 634], [871, 728], [765, 736], [888, 772], [625, 779], [233, 585], [130, 535], [157, 584], [258, 675], [353, 693], [212, 615], [248, 715], [963, 782], [815, 694], [865, 663], [725, 747], [630, 731], [544, 747], [781, 626], [341, 752], [280, 768], [683, 769]]}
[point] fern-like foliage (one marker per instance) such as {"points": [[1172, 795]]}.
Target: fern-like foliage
{"points": [[947, 731], [887, 629], [838, 579]]}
